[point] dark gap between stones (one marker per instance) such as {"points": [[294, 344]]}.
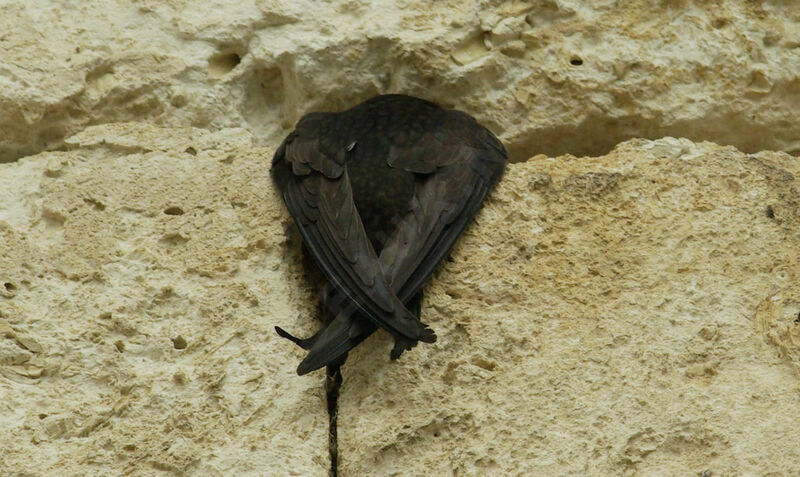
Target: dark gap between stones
{"points": [[333, 381], [598, 134]]}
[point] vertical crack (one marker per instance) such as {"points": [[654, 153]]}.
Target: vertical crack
{"points": [[333, 382]]}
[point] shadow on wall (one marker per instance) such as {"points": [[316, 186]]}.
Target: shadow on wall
{"points": [[597, 135]]}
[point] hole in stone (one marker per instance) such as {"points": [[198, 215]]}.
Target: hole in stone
{"points": [[720, 23], [173, 211], [222, 63], [9, 286], [471, 48], [173, 240], [42, 416], [191, 150], [575, 61], [53, 219], [178, 100], [485, 364], [51, 137], [770, 212], [95, 204], [179, 342], [179, 378], [264, 94], [119, 345]]}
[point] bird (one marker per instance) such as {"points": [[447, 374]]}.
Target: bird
{"points": [[380, 193]]}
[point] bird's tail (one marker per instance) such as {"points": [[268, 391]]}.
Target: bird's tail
{"points": [[331, 346]]}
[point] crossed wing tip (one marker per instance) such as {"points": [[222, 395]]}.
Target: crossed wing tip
{"points": [[305, 368]]}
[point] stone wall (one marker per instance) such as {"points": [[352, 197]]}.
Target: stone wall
{"points": [[551, 76], [632, 313]]}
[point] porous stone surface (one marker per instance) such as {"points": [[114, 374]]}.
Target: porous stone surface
{"points": [[551, 76], [631, 314], [141, 274]]}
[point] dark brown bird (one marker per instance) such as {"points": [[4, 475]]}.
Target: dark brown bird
{"points": [[380, 193]]}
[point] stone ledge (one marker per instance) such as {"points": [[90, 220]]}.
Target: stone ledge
{"points": [[631, 314], [141, 275]]}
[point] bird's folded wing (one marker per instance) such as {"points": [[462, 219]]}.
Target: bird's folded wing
{"points": [[442, 206], [320, 198]]}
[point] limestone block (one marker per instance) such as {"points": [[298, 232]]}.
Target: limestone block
{"points": [[141, 273], [631, 314], [553, 77]]}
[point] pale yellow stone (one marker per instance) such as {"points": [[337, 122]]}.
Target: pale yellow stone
{"points": [[631, 314], [149, 267], [553, 77]]}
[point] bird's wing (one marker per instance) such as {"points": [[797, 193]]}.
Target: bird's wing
{"points": [[444, 202], [443, 205], [344, 333], [319, 196]]}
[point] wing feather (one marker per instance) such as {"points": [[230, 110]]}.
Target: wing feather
{"points": [[325, 213], [456, 162], [441, 209]]}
